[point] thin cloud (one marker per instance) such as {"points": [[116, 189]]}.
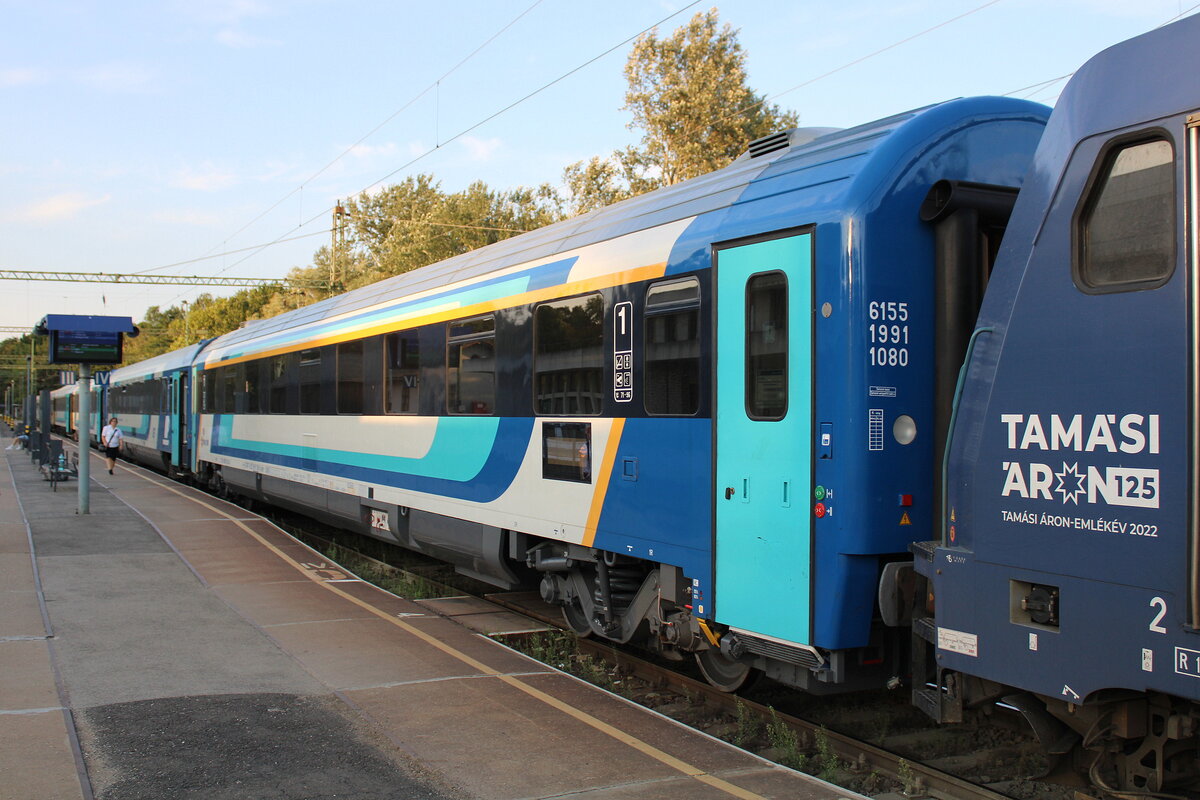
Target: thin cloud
{"points": [[230, 12], [207, 178], [115, 77], [62, 207], [22, 76], [480, 149], [372, 151], [187, 218], [241, 40]]}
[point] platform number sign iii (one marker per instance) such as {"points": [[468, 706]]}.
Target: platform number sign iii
{"points": [[623, 352]]}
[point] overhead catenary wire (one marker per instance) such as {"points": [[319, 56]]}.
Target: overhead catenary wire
{"points": [[462, 133], [855, 62], [1037, 88], [557, 80], [471, 128], [253, 250], [323, 232], [300, 189]]}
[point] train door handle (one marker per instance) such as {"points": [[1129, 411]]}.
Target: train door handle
{"points": [[729, 491]]}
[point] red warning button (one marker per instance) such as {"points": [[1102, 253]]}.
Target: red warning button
{"points": [[819, 510]]}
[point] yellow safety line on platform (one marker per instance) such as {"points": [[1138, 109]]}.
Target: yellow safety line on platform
{"points": [[621, 736]]}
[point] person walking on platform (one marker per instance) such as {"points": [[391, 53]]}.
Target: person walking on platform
{"points": [[110, 440]]}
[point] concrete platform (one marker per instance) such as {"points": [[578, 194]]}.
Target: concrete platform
{"points": [[173, 645]]}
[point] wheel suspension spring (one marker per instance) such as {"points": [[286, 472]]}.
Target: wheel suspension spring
{"points": [[623, 584]]}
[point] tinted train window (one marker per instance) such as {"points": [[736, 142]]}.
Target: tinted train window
{"points": [[672, 361], [1126, 235], [310, 381], [471, 367], [350, 377], [766, 346], [253, 381], [403, 372], [279, 385], [569, 356]]}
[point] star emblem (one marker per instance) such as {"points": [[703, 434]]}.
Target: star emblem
{"points": [[1070, 489]]}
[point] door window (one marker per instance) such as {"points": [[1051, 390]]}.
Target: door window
{"points": [[766, 346]]}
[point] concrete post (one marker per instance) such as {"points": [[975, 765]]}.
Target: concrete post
{"points": [[84, 385]]}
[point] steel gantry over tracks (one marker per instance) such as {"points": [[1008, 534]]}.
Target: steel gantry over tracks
{"points": [[169, 280]]}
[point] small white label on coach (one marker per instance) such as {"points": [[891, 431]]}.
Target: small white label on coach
{"points": [[966, 644]]}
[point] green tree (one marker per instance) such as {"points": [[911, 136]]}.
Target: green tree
{"points": [[210, 316], [414, 223], [13, 372], [155, 335], [688, 95]]}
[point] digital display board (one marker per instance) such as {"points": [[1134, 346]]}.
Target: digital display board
{"points": [[85, 347]]}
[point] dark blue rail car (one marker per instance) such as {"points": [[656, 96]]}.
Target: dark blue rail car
{"points": [[1066, 576]]}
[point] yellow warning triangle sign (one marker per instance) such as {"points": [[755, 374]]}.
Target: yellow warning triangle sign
{"points": [[904, 520]]}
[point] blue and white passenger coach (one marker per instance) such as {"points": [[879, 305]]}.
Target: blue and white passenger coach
{"points": [[152, 403], [706, 416], [1066, 578]]}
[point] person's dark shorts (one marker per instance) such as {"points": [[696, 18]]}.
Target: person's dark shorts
{"points": [[112, 452]]}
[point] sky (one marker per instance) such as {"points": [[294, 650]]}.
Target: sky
{"points": [[176, 137]]}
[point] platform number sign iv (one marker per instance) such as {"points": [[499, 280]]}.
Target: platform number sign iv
{"points": [[623, 352]]}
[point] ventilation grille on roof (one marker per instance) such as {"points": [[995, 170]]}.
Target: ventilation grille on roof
{"points": [[769, 144]]}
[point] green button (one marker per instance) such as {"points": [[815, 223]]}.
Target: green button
{"points": [[819, 493]]}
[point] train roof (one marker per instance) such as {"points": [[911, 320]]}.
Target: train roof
{"points": [[151, 367], [823, 177]]}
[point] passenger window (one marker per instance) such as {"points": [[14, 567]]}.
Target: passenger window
{"points": [[310, 381], [766, 346], [672, 360], [228, 389], [350, 377], [253, 380], [471, 366], [403, 372], [279, 385], [569, 356], [1126, 231]]}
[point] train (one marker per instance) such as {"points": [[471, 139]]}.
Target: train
{"points": [[911, 403]]}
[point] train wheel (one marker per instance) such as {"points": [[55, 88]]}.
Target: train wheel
{"points": [[576, 620], [724, 673]]}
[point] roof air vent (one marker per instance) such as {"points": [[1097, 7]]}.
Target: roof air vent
{"points": [[769, 144]]}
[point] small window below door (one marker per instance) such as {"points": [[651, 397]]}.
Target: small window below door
{"points": [[766, 346], [1125, 234]]}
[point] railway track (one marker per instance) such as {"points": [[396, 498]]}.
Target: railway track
{"points": [[857, 759]]}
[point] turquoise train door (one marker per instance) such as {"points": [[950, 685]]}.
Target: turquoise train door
{"points": [[764, 437], [180, 421]]}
